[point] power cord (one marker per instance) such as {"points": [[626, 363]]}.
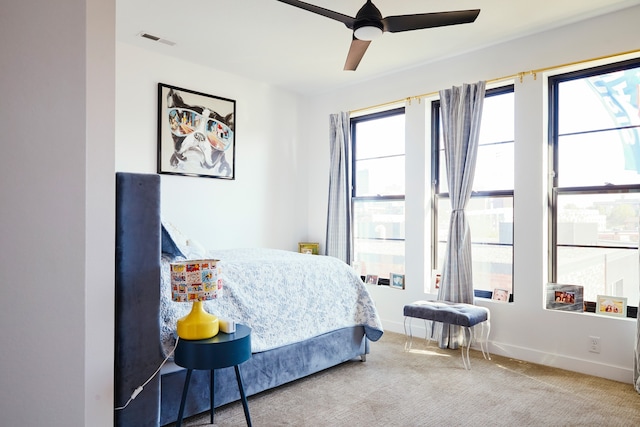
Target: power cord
{"points": [[138, 390]]}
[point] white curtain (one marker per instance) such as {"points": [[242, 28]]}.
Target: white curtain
{"points": [[338, 243], [461, 113]]}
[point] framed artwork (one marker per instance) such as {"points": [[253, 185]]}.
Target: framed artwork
{"points": [[396, 281], [310, 248], [611, 306], [371, 279], [565, 297], [196, 133], [500, 295]]}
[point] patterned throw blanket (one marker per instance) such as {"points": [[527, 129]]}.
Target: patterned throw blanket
{"points": [[284, 297]]}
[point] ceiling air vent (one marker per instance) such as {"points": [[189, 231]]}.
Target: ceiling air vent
{"points": [[156, 38]]}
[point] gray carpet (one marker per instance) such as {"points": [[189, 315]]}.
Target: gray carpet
{"points": [[430, 387]]}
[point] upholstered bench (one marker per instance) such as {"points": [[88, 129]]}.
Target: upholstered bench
{"points": [[464, 315]]}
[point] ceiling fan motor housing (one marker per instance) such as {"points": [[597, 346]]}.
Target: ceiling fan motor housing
{"points": [[368, 16]]}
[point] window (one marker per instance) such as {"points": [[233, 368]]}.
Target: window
{"points": [[378, 192], [594, 187], [490, 209]]}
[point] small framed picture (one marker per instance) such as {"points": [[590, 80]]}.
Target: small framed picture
{"points": [[396, 281], [611, 306], [310, 248], [500, 295], [565, 297], [371, 279], [436, 278]]}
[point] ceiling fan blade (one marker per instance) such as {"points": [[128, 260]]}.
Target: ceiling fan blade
{"points": [[356, 52], [345, 19], [396, 24]]}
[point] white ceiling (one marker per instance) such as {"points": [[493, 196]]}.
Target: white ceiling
{"points": [[276, 43]]}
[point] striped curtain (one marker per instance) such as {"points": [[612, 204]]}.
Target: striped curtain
{"points": [[338, 242], [461, 113]]}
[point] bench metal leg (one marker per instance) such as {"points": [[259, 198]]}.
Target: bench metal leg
{"points": [[484, 340], [408, 337], [466, 361], [409, 334]]}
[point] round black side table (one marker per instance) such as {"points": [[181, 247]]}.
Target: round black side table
{"points": [[221, 351]]}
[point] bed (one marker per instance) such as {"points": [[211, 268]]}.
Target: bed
{"points": [[144, 314]]}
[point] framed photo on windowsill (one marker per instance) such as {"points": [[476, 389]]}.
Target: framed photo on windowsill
{"points": [[611, 306], [565, 297], [500, 295], [436, 278], [371, 279], [396, 281]]}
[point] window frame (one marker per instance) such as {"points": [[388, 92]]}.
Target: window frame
{"points": [[435, 186], [554, 190], [379, 198]]}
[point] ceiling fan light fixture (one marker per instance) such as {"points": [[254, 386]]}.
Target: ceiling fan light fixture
{"points": [[368, 32]]}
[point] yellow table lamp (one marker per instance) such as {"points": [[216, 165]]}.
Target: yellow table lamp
{"points": [[196, 281]]}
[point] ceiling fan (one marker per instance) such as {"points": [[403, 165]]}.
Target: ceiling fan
{"points": [[369, 24]]}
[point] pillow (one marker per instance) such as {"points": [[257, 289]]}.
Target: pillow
{"points": [[175, 243], [169, 246]]}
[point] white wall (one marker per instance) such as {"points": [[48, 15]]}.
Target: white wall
{"points": [[522, 329], [56, 214], [265, 205]]}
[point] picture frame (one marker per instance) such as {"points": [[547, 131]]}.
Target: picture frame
{"points": [[500, 294], [196, 133], [371, 279], [396, 281], [311, 248], [436, 278], [565, 297], [611, 306]]}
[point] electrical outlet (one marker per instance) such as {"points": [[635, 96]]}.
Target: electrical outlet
{"points": [[594, 344]]}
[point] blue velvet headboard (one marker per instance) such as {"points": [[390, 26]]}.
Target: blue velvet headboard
{"points": [[137, 330]]}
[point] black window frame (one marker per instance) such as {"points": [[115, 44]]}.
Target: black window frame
{"points": [[554, 190], [354, 198], [435, 186]]}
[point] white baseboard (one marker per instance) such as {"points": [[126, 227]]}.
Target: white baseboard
{"points": [[531, 355], [560, 361]]}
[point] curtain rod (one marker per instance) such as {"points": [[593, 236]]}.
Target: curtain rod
{"points": [[520, 75]]}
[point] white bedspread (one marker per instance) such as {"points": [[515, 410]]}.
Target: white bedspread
{"points": [[284, 297]]}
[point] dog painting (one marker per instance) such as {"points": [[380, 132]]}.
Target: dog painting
{"points": [[196, 133]]}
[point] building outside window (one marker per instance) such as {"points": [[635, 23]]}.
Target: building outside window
{"points": [[594, 186], [378, 232], [490, 209]]}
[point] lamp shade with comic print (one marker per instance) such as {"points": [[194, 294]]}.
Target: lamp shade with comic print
{"points": [[196, 281]]}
